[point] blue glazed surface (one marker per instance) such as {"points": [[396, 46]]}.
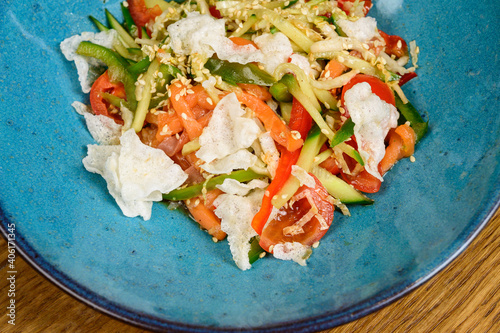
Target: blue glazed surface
{"points": [[165, 273]]}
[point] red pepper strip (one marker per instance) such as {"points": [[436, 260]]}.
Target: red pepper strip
{"points": [[407, 77], [300, 121]]}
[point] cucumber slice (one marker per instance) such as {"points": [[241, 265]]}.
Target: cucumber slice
{"points": [[339, 189], [98, 24], [125, 36], [315, 139]]}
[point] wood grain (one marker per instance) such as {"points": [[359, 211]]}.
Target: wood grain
{"points": [[464, 297]]}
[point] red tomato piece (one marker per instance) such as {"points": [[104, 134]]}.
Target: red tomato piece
{"points": [[378, 87], [278, 230], [346, 6], [407, 77], [142, 14], [394, 45], [363, 181], [98, 103], [215, 12]]}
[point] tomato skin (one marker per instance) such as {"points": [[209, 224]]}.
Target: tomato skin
{"points": [[391, 45], [142, 14], [363, 181], [346, 5], [378, 87], [98, 103], [273, 234]]}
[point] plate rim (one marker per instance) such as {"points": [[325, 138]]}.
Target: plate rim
{"points": [[324, 321]]}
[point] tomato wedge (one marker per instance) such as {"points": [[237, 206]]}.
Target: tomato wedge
{"points": [[378, 87], [98, 103], [284, 228]]}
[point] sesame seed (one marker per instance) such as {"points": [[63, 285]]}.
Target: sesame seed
{"points": [[214, 239], [315, 245], [412, 159], [296, 135], [209, 101], [184, 116], [324, 131]]}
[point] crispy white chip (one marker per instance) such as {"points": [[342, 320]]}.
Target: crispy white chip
{"points": [[373, 118], [103, 129], [276, 49], [242, 159], [203, 34], [363, 29], [232, 186], [236, 214], [271, 154], [292, 251], [135, 173], [224, 141]]}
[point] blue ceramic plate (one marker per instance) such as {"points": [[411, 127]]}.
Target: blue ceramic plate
{"points": [[164, 273]]}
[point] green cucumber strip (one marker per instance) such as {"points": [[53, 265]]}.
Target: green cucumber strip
{"points": [[135, 51], [140, 67], [128, 23], [196, 190], [344, 132], [286, 110], [349, 150], [311, 148], [143, 104], [286, 27], [98, 24], [114, 100], [411, 114], [234, 73], [117, 67], [169, 72], [326, 97], [145, 34], [113, 22], [339, 189], [191, 147], [280, 92], [255, 250]]}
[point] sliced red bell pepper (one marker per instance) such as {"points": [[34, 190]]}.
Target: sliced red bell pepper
{"points": [[300, 121]]}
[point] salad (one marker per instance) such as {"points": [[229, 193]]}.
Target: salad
{"points": [[261, 118]]}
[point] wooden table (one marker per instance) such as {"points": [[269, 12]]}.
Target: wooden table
{"points": [[465, 297]]}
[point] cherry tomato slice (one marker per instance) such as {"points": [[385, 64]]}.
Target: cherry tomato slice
{"points": [[98, 103], [275, 231]]}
